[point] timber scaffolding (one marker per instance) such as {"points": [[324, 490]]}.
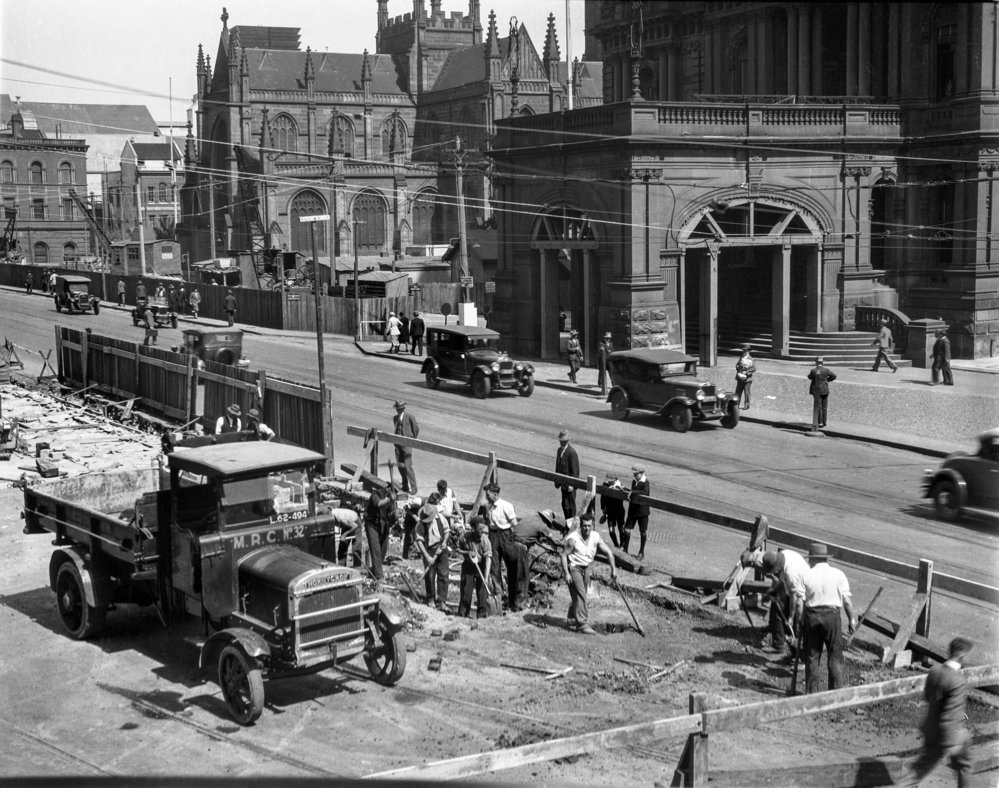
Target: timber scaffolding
{"points": [[910, 636]]}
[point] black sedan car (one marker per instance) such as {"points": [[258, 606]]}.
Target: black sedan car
{"points": [[966, 481], [471, 354]]}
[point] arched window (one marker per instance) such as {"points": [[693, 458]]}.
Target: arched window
{"points": [[66, 173], [284, 133], [68, 251], [40, 251], [370, 209], [7, 171], [36, 173], [341, 137], [394, 138], [428, 220], [164, 193], [308, 203]]}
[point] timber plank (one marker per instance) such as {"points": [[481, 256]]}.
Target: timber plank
{"points": [[907, 627]]}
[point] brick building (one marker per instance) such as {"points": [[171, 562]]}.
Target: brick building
{"points": [[37, 174], [765, 172], [147, 179]]}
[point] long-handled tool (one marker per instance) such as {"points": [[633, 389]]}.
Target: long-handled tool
{"points": [[794, 675], [489, 594], [625, 600], [863, 615]]}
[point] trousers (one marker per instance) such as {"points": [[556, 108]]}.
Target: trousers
{"points": [[823, 630]]}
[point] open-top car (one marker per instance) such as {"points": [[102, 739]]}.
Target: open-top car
{"points": [[72, 293], [472, 355], [665, 382], [966, 481]]}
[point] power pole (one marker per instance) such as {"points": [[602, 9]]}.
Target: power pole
{"points": [[459, 165], [357, 292], [211, 214], [142, 231]]}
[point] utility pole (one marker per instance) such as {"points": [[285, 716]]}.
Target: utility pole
{"points": [[211, 214], [459, 166], [570, 72], [327, 427], [357, 292], [138, 213]]}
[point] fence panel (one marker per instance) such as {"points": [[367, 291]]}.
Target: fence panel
{"points": [[227, 385], [69, 357], [295, 413]]}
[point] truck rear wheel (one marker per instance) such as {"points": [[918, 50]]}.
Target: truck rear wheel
{"points": [[242, 684], [80, 619], [386, 658]]}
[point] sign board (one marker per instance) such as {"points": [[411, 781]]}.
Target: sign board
{"points": [[465, 281], [293, 297], [321, 217], [490, 287]]}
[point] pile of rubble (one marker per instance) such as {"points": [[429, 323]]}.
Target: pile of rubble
{"points": [[43, 435]]}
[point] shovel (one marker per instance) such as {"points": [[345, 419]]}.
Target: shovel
{"points": [[493, 607], [625, 600]]}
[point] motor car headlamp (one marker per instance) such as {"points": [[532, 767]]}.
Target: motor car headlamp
{"points": [[699, 396], [495, 367]]}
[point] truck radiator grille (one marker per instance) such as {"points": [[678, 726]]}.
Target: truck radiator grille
{"points": [[320, 616]]}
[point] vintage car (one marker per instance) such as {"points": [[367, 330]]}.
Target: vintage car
{"points": [[72, 293], [472, 355], [224, 345], [159, 308], [665, 382], [966, 481]]}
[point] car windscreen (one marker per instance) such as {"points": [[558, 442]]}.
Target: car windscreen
{"points": [[673, 368]]}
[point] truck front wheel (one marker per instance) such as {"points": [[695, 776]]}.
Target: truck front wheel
{"points": [[242, 685], [386, 657], [80, 619]]}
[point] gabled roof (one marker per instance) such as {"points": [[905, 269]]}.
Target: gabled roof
{"points": [[84, 120], [272, 69], [156, 151]]}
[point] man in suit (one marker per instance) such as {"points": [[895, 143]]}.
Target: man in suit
{"points": [[637, 512], [821, 377], [941, 359], [405, 425], [603, 359], [944, 732], [885, 343], [567, 463], [417, 328]]}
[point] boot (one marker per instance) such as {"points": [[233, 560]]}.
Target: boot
{"points": [[641, 548], [625, 540]]}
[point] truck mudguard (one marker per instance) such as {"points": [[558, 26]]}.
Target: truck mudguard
{"points": [[252, 643], [391, 610], [94, 588]]}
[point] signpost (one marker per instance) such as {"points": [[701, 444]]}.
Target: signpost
{"points": [[327, 426]]}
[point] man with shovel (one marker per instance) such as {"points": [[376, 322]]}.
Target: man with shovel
{"points": [[475, 567], [579, 549], [432, 533]]}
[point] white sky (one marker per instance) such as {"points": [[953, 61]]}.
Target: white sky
{"points": [[134, 48]]}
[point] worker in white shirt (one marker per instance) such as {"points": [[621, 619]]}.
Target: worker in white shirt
{"points": [[579, 549], [827, 594], [261, 431]]}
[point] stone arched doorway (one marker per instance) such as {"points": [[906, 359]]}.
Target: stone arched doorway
{"points": [[566, 240], [750, 272], [370, 211], [307, 203]]}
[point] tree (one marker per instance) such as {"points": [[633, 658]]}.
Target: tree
{"points": [[164, 228]]}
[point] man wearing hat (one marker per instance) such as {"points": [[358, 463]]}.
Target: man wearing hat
{"points": [[612, 510], [392, 332], [827, 595], [637, 512], [258, 430], [885, 343], [941, 359], [788, 569], [603, 357], [745, 368], [417, 328], [432, 534], [575, 354], [229, 305], [405, 425], [229, 421], [820, 378], [567, 464]]}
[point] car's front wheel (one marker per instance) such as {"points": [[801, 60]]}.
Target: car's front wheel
{"points": [[947, 501], [731, 417], [481, 385], [681, 417], [526, 387], [433, 379], [619, 405]]}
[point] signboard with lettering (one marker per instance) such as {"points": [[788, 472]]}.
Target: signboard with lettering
{"points": [[466, 281], [294, 297], [490, 287]]}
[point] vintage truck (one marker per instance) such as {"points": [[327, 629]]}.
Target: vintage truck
{"points": [[229, 533]]}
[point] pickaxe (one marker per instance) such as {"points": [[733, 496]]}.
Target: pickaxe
{"points": [[625, 600]]}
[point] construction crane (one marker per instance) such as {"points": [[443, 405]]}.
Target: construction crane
{"points": [[103, 239], [8, 244], [249, 171]]}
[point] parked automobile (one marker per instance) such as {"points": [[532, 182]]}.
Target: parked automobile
{"points": [[72, 293], [224, 345], [966, 482], [665, 382], [472, 355], [163, 315]]}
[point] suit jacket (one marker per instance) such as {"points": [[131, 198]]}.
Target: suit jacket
{"points": [[406, 425], [639, 488], [416, 327], [821, 377], [946, 693], [885, 341], [566, 462], [941, 349]]}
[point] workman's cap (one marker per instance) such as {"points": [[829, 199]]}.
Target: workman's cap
{"points": [[427, 513], [772, 562], [563, 435], [416, 314], [574, 333], [941, 332], [493, 488], [391, 314], [234, 410], [611, 476], [638, 469], [400, 404], [818, 552], [819, 360], [745, 346], [442, 484], [253, 414], [608, 335]]}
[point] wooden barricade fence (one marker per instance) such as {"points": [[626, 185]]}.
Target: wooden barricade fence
{"points": [[226, 385], [295, 413], [693, 768]]}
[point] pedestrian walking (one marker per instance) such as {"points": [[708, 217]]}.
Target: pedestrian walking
{"points": [[403, 331], [230, 421], [44, 278], [612, 510], [257, 429], [195, 301], [561, 318], [827, 596], [476, 565], [566, 464], [885, 343], [820, 378], [182, 299], [432, 533], [229, 305], [502, 518], [745, 368], [151, 331], [941, 359], [52, 280], [405, 425], [172, 304], [575, 354], [945, 734], [29, 283], [417, 330], [638, 512], [392, 332], [603, 359], [121, 292], [579, 550], [140, 292], [380, 516]]}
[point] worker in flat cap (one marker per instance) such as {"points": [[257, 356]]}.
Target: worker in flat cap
{"points": [[827, 595], [406, 426], [638, 512]]}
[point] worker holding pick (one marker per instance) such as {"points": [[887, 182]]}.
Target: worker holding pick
{"points": [[580, 548]]}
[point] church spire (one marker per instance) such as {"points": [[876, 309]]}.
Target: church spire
{"points": [[551, 53]]}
